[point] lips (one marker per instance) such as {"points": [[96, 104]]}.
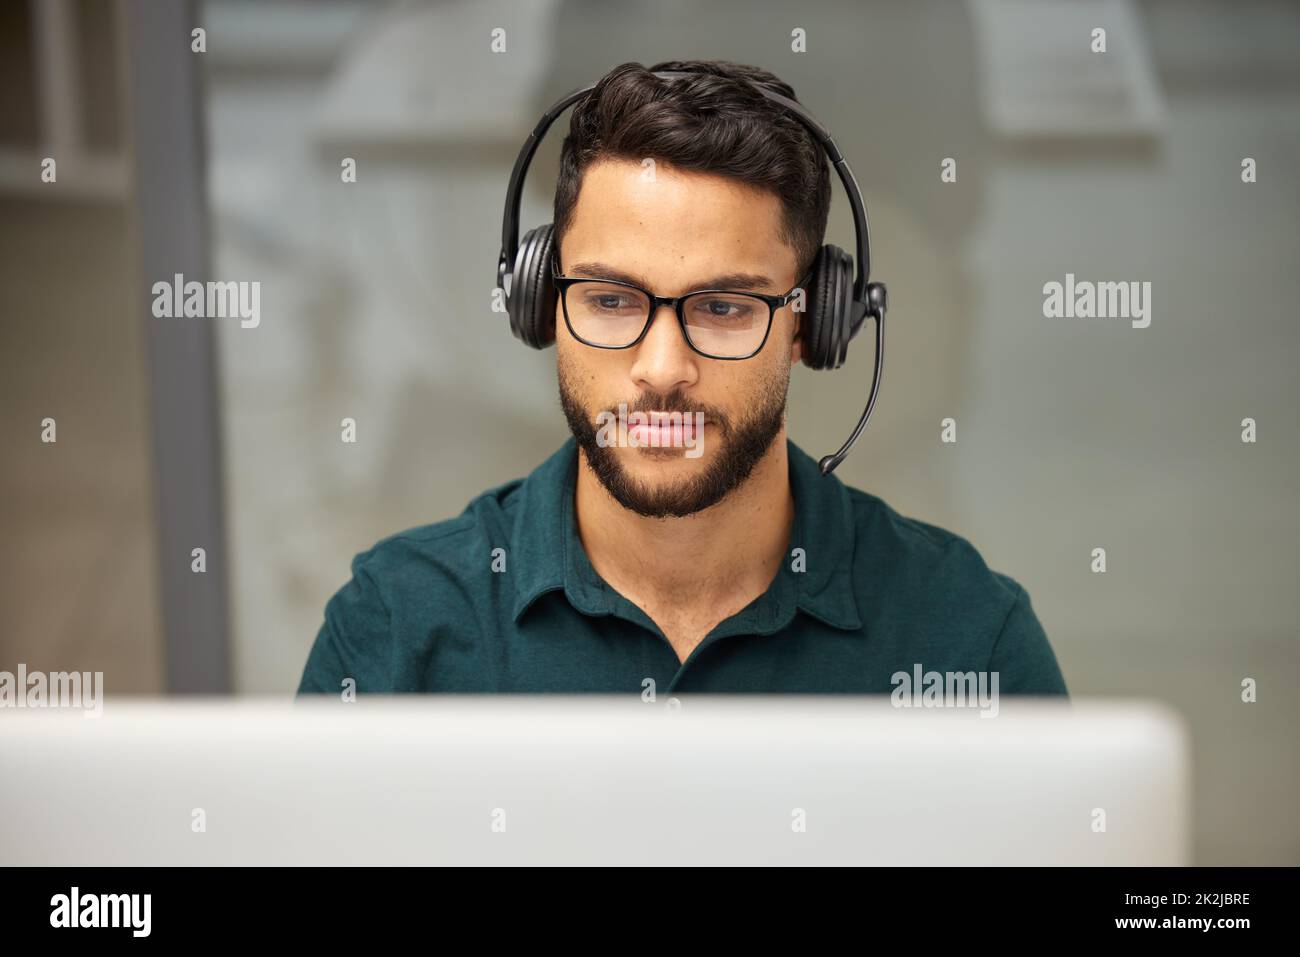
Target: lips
{"points": [[653, 427], [665, 428]]}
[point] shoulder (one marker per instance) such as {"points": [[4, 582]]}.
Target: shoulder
{"points": [[943, 594], [405, 591], [449, 550], [923, 553]]}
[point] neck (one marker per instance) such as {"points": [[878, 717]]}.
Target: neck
{"points": [[735, 546]]}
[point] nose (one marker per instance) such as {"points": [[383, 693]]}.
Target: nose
{"points": [[664, 361]]}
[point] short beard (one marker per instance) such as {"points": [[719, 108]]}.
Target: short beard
{"points": [[742, 448]]}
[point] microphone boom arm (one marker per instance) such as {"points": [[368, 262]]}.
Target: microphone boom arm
{"points": [[878, 300]]}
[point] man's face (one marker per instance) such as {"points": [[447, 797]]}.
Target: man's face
{"points": [[675, 232]]}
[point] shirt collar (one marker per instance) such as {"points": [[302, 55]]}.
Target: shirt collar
{"points": [[548, 554]]}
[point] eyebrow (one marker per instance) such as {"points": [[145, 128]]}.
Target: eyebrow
{"points": [[732, 280]]}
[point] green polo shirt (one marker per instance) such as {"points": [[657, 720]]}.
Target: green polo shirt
{"points": [[504, 599]]}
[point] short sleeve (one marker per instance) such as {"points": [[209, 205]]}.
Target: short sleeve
{"points": [[354, 641], [1022, 656]]}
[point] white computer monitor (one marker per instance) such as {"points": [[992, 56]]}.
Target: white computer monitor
{"points": [[593, 780]]}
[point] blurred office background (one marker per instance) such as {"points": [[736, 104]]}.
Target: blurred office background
{"points": [[376, 305]]}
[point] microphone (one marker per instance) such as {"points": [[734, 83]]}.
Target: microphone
{"points": [[877, 304]]}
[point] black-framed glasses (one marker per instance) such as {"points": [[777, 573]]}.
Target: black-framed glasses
{"points": [[716, 323]]}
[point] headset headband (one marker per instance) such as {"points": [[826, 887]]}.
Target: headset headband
{"points": [[514, 193]]}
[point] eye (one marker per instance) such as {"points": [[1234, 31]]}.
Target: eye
{"points": [[611, 301], [722, 308]]}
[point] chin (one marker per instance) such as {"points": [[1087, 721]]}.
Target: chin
{"points": [[649, 460]]}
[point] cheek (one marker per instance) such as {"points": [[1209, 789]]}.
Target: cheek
{"points": [[771, 380], [742, 388], [567, 368], [582, 371]]}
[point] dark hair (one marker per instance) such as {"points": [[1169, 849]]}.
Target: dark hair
{"points": [[714, 123]]}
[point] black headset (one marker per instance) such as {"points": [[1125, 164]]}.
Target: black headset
{"points": [[836, 304]]}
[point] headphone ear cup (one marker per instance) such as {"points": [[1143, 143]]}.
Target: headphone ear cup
{"points": [[826, 340], [843, 311], [531, 303]]}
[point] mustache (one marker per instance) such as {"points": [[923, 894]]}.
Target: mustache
{"points": [[672, 402]]}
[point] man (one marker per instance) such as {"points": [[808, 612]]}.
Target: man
{"points": [[679, 537]]}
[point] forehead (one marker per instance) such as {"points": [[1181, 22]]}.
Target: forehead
{"points": [[673, 226]]}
